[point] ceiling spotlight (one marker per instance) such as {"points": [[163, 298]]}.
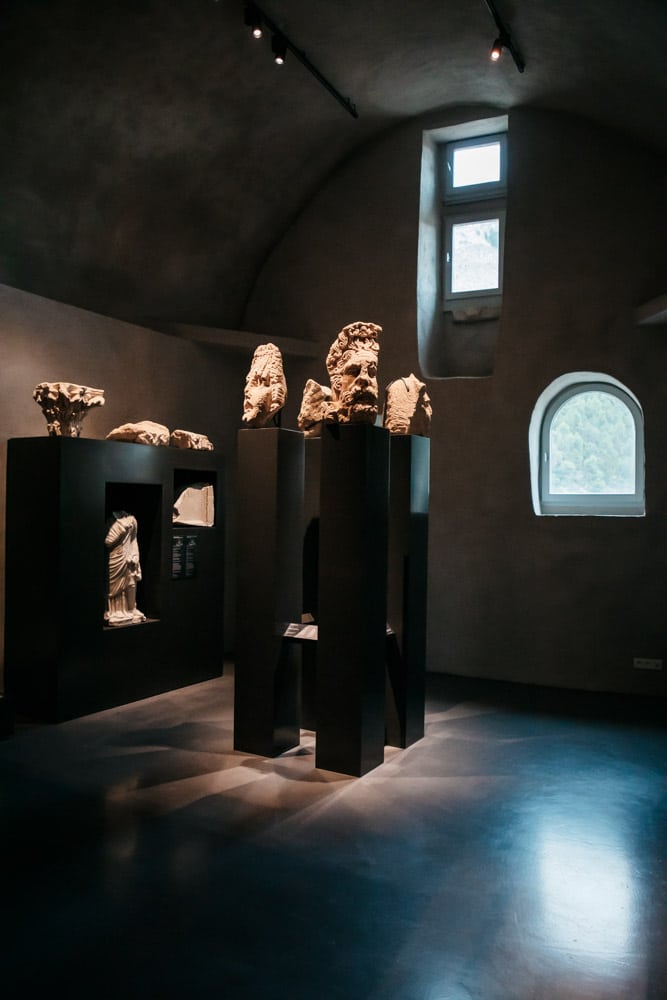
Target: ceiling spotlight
{"points": [[261, 23], [253, 19], [279, 49], [497, 50], [504, 40]]}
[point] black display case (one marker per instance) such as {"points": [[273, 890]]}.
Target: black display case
{"points": [[61, 659]]}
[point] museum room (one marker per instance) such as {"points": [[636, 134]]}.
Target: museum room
{"points": [[333, 499]]}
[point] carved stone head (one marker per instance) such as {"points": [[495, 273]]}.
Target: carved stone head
{"points": [[407, 407], [352, 364], [314, 407], [265, 386]]}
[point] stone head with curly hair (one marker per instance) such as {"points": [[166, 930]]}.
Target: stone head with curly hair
{"points": [[352, 364], [265, 386]]}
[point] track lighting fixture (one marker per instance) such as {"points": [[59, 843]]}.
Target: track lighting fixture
{"points": [[253, 19], [496, 50], [257, 19], [279, 49], [504, 40]]}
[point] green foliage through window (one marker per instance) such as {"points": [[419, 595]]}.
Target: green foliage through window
{"points": [[592, 446]]}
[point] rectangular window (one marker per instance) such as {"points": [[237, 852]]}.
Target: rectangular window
{"points": [[473, 254], [475, 168], [474, 187]]}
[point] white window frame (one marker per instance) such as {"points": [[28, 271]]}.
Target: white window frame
{"points": [[590, 504], [479, 215], [472, 203], [474, 192]]}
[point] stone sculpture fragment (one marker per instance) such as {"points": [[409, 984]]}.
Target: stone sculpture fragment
{"points": [[195, 505], [314, 408], [265, 387], [352, 364], [144, 432], [407, 407], [65, 405], [124, 571], [189, 439]]}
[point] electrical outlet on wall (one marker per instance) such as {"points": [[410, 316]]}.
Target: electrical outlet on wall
{"points": [[646, 663]]}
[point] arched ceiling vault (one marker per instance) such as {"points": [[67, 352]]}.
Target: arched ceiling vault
{"points": [[152, 154]]}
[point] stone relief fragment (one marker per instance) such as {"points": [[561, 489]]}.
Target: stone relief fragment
{"points": [[65, 405], [195, 505], [352, 364], [124, 571], [189, 439], [144, 432], [314, 407], [407, 407], [265, 387]]}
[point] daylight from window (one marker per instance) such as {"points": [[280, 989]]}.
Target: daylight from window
{"points": [[475, 259], [592, 446], [476, 165]]}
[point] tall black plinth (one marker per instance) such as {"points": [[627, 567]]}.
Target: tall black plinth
{"points": [[310, 570], [61, 661], [352, 600], [407, 583], [270, 537]]}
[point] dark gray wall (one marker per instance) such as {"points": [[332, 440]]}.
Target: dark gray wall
{"points": [[560, 601]]}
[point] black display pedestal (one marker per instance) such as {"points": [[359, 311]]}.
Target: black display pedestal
{"points": [[310, 572], [270, 537], [407, 587], [6, 718], [61, 661], [352, 602]]}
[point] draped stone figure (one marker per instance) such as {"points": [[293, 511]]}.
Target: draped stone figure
{"points": [[124, 571]]}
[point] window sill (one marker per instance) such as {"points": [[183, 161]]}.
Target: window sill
{"points": [[472, 313]]}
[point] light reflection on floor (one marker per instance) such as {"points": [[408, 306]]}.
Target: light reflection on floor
{"points": [[587, 892], [515, 853]]}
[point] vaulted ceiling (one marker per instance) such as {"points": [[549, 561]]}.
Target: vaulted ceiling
{"points": [[151, 153]]}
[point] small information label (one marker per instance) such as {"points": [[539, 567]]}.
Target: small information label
{"points": [[184, 557]]}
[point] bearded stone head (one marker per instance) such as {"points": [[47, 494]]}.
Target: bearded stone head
{"points": [[352, 364], [265, 387]]}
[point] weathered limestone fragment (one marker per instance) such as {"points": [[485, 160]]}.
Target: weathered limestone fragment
{"points": [[64, 406], [265, 387], [124, 571], [144, 432], [188, 439], [352, 364], [407, 407], [314, 406], [195, 505]]}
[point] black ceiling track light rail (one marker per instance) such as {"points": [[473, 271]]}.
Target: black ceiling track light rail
{"points": [[504, 40], [257, 19]]}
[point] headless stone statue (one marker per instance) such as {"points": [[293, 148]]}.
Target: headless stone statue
{"points": [[124, 571]]}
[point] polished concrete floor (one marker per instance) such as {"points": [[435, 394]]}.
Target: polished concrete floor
{"points": [[517, 851]]}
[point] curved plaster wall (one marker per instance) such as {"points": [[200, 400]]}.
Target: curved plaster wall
{"points": [[561, 601]]}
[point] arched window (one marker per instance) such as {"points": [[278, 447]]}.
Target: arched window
{"points": [[587, 448]]}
